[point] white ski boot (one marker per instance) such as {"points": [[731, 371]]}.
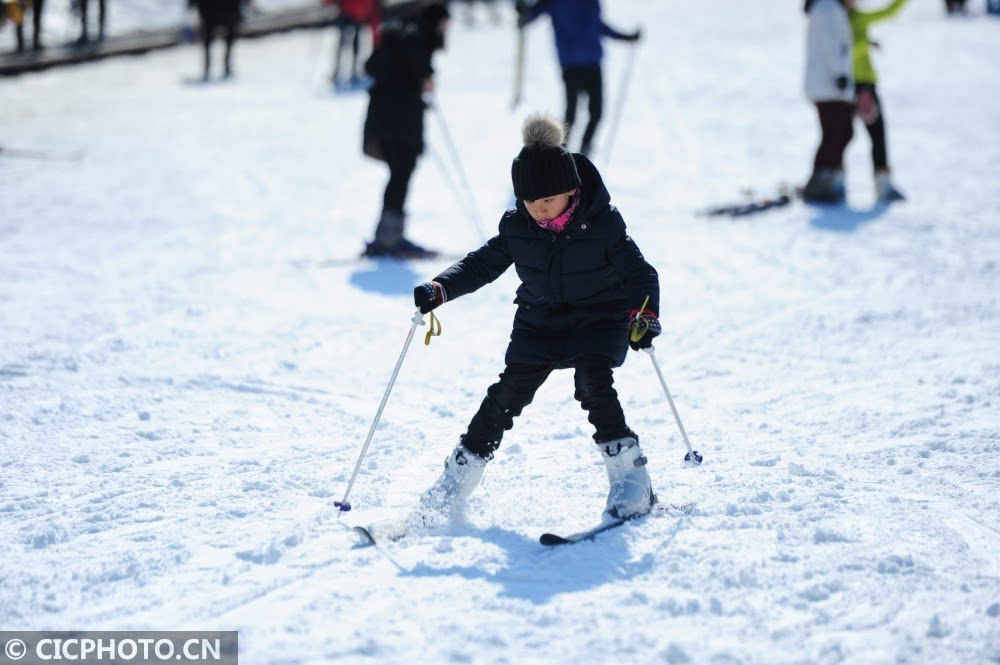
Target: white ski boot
{"points": [[631, 494], [885, 191], [462, 472]]}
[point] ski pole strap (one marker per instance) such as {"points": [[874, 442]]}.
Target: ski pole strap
{"points": [[641, 324], [434, 330]]}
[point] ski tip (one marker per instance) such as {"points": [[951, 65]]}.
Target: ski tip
{"points": [[550, 539], [366, 536]]}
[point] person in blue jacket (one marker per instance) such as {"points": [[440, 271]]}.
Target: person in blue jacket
{"points": [[578, 29]]}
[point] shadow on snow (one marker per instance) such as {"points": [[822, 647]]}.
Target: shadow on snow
{"points": [[390, 278], [843, 219], [536, 573]]}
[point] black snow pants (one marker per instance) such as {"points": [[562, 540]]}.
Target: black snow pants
{"points": [[507, 398], [876, 131], [836, 120], [36, 21], [210, 22], [584, 80], [101, 13], [402, 160]]}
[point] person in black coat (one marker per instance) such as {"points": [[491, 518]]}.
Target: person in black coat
{"points": [[585, 287], [101, 14], [394, 127], [37, 6], [218, 15]]}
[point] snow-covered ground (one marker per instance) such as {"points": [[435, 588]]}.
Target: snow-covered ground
{"points": [[190, 362]]}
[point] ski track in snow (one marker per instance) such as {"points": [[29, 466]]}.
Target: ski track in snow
{"points": [[189, 366]]}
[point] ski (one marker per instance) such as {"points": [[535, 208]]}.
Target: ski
{"points": [[392, 531], [381, 532], [367, 539], [353, 85], [552, 539], [47, 155], [751, 206]]}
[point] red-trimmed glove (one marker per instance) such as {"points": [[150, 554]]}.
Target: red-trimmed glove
{"points": [[428, 296], [647, 324]]}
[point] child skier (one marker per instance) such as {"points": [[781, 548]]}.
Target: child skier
{"points": [[580, 277], [830, 86], [578, 28], [867, 101]]}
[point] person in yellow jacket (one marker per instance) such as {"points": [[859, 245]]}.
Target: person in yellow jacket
{"points": [[13, 11], [869, 107]]}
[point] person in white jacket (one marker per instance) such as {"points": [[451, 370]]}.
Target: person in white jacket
{"points": [[829, 85]]}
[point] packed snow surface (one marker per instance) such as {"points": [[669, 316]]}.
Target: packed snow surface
{"points": [[191, 359]]}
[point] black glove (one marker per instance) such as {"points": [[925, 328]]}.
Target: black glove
{"points": [[647, 324], [428, 296], [842, 82], [634, 36]]}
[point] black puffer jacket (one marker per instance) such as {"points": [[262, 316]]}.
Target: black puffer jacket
{"points": [[577, 287], [216, 12], [399, 67]]}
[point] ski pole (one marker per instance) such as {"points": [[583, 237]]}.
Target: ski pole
{"points": [[477, 221], [620, 106], [518, 69], [692, 456], [418, 320]]}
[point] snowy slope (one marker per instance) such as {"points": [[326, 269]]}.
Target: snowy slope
{"points": [[190, 363]]}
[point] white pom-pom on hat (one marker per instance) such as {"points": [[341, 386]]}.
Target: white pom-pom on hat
{"points": [[541, 130]]}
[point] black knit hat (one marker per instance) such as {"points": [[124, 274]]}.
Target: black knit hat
{"points": [[543, 167]]}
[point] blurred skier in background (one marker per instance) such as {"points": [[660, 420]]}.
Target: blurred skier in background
{"points": [[354, 16], [219, 15], [829, 84], [13, 11], [37, 7], [578, 31], [954, 6], [869, 107], [470, 14], [82, 5], [400, 67]]}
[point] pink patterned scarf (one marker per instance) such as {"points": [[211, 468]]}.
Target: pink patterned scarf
{"points": [[559, 223]]}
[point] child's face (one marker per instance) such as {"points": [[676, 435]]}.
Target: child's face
{"points": [[542, 210]]}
